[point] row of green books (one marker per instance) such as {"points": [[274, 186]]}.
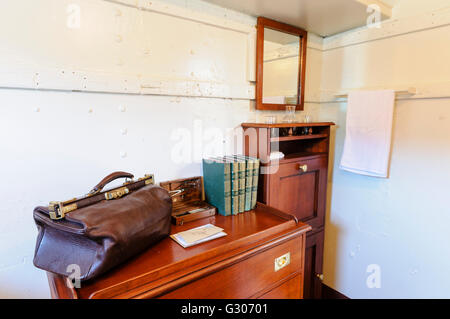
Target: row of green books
{"points": [[231, 183]]}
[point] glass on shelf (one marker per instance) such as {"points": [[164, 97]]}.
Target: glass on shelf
{"points": [[307, 119], [270, 119], [289, 114], [289, 117]]}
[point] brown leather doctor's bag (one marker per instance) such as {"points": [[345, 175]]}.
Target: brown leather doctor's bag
{"points": [[103, 228]]}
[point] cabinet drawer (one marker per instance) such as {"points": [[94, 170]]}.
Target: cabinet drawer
{"points": [[287, 290], [247, 277], [300, 166], [299, 188]]}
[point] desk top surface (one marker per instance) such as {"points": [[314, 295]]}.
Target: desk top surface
{"points": [[244, 231]]}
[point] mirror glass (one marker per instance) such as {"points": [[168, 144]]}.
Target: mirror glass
{"points": [[280, 67]]}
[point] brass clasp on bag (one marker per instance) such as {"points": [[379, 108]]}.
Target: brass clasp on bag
{"points": [[57, 210], [117, 193], [148, 178]]}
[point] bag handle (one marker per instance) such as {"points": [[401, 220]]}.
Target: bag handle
{"points": [[108, 179]]}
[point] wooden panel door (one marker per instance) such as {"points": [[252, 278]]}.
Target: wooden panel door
{"points": [[299, 188], [312, 288]]}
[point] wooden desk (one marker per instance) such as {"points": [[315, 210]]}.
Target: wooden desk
{"points": [[239, 265]]}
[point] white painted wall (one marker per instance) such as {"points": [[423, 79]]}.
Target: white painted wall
{"points": [[55, 144], [400, 223]]}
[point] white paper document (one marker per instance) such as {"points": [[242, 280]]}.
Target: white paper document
{"points": [[198, 235]]}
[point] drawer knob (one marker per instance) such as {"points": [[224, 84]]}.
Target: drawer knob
{"points": [[282, 261], [320, 276], [303, 168]]}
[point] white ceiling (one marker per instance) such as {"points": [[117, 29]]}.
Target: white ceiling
{"points": [[323, 17]]}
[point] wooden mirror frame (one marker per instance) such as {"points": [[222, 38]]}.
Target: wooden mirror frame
{"points": [[286, 28]]}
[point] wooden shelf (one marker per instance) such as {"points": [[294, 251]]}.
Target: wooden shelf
{"points": [[301, 155], [280, 125], [299, 137], [295, 157]]}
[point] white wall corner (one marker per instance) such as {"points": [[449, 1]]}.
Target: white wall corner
{"points": [[385, 7], [315, 41], [389, 28]]}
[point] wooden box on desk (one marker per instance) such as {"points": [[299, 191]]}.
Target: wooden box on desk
{"points": [[188, 197], [243, 264]]}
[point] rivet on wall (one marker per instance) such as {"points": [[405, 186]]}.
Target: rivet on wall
{"points": [[175, 100], [36, 79]]}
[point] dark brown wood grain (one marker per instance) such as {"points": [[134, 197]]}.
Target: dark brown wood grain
{"points": [[312, 288], [59, 287], [286, 290], [214, 269], [275, 25], [300, 193]]}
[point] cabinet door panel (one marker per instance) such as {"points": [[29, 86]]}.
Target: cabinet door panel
{"points": [[301, 192], [300, 203], [312, 288]]}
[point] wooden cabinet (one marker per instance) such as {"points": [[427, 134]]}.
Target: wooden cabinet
{"points": [[312, 288], [216, 269], [297, 183]]}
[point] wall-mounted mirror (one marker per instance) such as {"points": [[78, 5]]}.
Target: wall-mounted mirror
{"points": [[280, 65]]}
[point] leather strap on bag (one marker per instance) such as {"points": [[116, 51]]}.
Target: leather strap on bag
{"points": [[57, 210], [108, 179]]}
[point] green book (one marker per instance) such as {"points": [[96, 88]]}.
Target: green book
{"points": [[239, 179], [249, 182], [255, 174], [234, 186], [241, 169], [249, 163], [217, 182]]}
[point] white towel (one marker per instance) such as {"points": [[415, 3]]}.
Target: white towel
{"points": [[368, 133]]}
